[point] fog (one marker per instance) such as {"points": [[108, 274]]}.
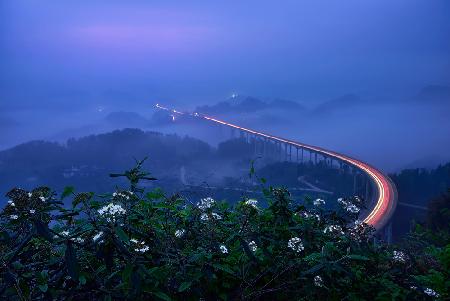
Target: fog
{"points": [[66, 66]]}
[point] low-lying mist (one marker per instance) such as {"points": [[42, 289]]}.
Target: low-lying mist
{"points": [[388, 134]]}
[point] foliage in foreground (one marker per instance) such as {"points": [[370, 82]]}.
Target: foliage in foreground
{"points": [[133, 244]]}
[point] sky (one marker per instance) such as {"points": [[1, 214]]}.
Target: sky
{"points": [[66, 60]]}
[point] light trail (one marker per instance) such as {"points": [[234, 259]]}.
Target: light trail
{"points": [[387, 193]]}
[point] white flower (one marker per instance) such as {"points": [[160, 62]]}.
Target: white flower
{"points": [[431, 292], [216, 216], [333, 229], [142, 249], [64, 233], [399, 256], [78, 240], [205, 216], [180, 233], [13, 216], [97, 236], [139, 246], [310, 215], [42, 198], [111, 211], [352, 208], [318, 202], [114, 194], [30, 194], [252, 202], [223, 249], [358, 223], [205, 203], [253, 246], [318, 281], [11, 203], [32, 211], [295, 243]]}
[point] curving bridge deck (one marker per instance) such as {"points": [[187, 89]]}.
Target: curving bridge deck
{"points": [[385, 197]]}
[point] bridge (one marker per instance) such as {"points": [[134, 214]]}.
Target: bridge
{"points": [[382, 201]]}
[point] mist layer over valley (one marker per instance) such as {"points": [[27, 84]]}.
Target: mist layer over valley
{"points": [[390, 134]]}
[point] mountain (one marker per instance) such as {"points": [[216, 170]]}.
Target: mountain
{"points": [[86, 162], [434, 94], [127, 119], [286, 105], [343, 102], [249, 105]]}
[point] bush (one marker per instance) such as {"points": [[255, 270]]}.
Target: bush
{"points": [[132, 244]]}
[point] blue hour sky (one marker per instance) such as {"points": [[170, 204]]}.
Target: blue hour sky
{"points": [[61, 57], [200, 51]]}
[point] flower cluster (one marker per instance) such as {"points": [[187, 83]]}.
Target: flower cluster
{"points": [[179, 233], [348, 206], [399, 256], [252, 202], [333, 229], [125, 195], [223, 249], [205, 203], [111, 211], [253, 246], [139, 246], [66, 233], [318, 281], [318, 202], [295, 244], [205, 216], [430, 292], [308, 215], [359, 231]]}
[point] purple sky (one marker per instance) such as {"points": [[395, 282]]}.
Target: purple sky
{"points": [[202, 50], [78, 56]]}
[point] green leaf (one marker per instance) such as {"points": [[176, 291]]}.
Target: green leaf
{"points": [[155, 194], [357, 257], [223, 268], [127, 272], [43, 287], [82, 279], [43, 230], [162, 296], [184, 286], [122, 235], [68, 190], [314, 269]]}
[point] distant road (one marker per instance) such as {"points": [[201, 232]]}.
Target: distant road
{"points": [[385, 200]]}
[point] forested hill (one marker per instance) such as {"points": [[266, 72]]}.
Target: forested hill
{"points": [[417, 186], [87, 161]]}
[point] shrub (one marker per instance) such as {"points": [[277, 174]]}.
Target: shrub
{"points": [[146, 245]]}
